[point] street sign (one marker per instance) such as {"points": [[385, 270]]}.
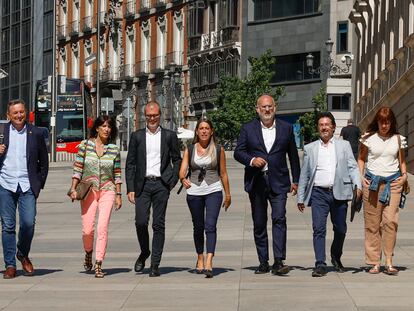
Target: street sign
{"points": [[90, 59]]}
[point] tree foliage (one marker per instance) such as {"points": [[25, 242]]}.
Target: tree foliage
{"points": [[236, 98], [308, 120]]}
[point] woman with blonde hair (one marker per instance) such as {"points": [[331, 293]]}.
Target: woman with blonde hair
{"points": [[383, 178], [203, 173]]}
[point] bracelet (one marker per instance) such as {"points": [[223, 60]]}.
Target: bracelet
{"points": [[118, 193], [72, 191], [405, 173]]}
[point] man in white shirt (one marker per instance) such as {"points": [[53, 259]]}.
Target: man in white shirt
{"points": [[151, 171], [327, 178]]}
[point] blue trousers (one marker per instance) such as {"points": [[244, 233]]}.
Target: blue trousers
{"points": [[26, 203], [205, 210], [259, 198], [322, 203]]}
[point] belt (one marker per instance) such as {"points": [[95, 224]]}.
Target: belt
{"points": [[328, 189], [152, 178], [265, 173]]}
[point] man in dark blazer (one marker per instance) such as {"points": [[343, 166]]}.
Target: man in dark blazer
{"points": [[24, 166], [152, 166], [262, 148]]}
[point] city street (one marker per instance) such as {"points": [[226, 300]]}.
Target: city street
{"points": [[61, 284]]}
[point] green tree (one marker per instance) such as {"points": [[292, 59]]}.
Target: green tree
{"points": [[308, 120], [236, 98]]}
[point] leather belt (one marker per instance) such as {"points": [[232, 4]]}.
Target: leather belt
{"points": [[328, 189], [265, 173], [152, 178]]}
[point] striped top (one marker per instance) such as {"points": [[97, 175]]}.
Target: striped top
{"points": [[104, 172]]}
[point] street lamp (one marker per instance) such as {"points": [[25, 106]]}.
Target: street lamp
{"points": [[329, 65], [172, 89]]}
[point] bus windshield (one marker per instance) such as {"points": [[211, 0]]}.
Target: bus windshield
{"points": [[69, 125]]}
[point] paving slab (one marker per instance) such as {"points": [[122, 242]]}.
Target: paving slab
{"points": [[61, 284]]}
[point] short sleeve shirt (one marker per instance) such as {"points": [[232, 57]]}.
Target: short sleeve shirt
{"points": [[383, 154]]}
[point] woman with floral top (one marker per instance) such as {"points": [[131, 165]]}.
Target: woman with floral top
{"points": [[98, 161], [383, 172]]}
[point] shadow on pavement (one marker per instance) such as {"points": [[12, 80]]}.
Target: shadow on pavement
{"points": [[111, 271], [40, 272]]}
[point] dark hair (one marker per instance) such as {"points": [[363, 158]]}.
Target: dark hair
{"points": [[15, 102], [325, 114], [383, 114], [201, 120], [101, 120]]}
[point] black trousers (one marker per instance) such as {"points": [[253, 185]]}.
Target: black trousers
{"points": [[154, 194]]}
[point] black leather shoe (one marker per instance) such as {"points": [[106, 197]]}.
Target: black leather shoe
{"points": [[338, 265], [262, 268], [319, 271], [279, 268], [140, 263], [208, 273], [154, 271]]}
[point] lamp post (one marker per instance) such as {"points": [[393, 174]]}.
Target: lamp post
{"points": [[172, 88], [329, 65]]}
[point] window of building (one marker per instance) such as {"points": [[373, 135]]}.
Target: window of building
{"points": [[5, 44], [26, 33], [5, 21], [15, 42], [47, 63], [14, 73], [342, 38], [25, 69], [26, 9], [195, 19], [48, 31], [267, 9], [47, 5], [291, 68], [338, 102]]}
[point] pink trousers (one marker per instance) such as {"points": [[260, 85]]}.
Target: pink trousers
{"points": [[102, 200]]}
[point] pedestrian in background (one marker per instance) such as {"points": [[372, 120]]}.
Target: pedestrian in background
{"points": [[99, 162], [262, 148], [24, 166], [328, 176], [203, 173], [152, 166], [383, 178], [351, 133]]}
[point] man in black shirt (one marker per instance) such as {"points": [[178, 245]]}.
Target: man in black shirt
{"points": [[351, 133]]}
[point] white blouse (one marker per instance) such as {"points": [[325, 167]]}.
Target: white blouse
{"points": [[383, 154]]}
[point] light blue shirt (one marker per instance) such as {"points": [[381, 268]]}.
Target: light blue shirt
{"points": [[14, 170]]}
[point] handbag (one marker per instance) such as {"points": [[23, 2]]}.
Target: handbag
{"points": [[84, 187]]}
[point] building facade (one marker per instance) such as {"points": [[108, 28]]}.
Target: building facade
{"points": [[214, 48], [26, 43], [384, 75], [135, 48], [293, 29]]}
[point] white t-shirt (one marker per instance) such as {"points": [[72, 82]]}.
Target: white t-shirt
{"points": [[203, 189], [383, 154]]}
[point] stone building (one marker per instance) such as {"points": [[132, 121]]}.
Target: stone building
{"points": [[384, 71], [139, 48]]}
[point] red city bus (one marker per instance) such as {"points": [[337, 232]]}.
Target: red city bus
{"points": [[73, 108]]}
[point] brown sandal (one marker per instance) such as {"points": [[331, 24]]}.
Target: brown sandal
{"points": [[98, 270], [375, 270], [87, 263], [390, 270]]}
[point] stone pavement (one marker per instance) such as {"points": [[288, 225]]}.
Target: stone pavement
{"points": [[61, 284]]}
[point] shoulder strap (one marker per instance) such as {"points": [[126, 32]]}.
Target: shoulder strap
{"points": [[399, 150], [190, 148], [2, 129], [218, 153]]}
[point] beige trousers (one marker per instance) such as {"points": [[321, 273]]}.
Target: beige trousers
{"points": [[381, 224]]}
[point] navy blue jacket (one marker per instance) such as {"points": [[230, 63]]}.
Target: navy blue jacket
{"points": [[251, 144], [37, 157]]}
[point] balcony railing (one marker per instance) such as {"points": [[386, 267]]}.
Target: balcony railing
{"points": [[130, 9], [141, 68], [157, 63], [174, 58], [230, 34], [159, 3], [126, 71], [61, 32], [74, 28], [214, 39], [145, 5], [87, 24]]}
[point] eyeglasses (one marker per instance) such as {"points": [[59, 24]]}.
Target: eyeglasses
{"points": [[152, 116], [202, 174]]}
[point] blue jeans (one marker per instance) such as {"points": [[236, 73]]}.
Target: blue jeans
{"points": [[26, 202], [322, 203], [205, 210]]}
